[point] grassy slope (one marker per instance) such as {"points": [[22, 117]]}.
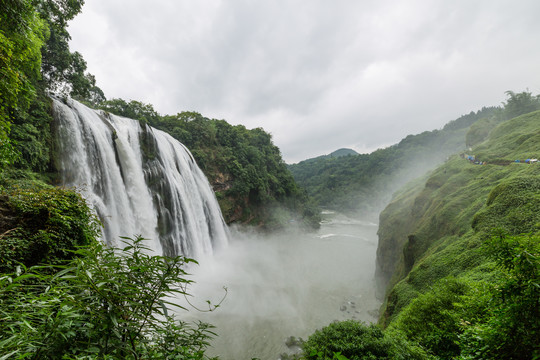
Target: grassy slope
{"points": [[434, 227]]}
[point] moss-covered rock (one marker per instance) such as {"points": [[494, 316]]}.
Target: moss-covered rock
{"points": [[42, 224]]}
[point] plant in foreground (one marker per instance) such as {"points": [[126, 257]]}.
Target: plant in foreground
{"points": [[105, 304]]}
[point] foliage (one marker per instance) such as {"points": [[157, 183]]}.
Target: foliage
{"points": [[35, 60], [355, 341], [63, 71], [104, 304], [513, 329], [133, 110], [520, 103], [479, 317], [32, 136], [433, 319], [42, 224], [22, 34], [513, 205]]}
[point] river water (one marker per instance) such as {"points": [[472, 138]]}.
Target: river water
{"points": [[287, 285]]}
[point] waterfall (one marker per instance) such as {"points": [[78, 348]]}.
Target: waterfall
{"points": [[139, 180]]}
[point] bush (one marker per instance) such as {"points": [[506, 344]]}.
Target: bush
{"points": [[357, 341], [433, 319], [105, 304], [512, 330]]}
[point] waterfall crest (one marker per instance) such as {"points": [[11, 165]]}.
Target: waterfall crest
{"points": [[139, 180]]}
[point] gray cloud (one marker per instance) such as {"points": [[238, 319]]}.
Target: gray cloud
{"points": [[318, 75]]}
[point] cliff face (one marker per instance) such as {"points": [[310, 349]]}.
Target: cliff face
{"points": [[435, 226]]}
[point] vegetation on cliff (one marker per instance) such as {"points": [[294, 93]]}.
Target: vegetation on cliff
{"points": [[459, 250]]}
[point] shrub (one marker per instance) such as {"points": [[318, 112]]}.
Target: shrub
{"points": [[512, 330], [104, 304], [357, 341], [433, 318]]}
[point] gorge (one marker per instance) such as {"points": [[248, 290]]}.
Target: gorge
{"points": [[116, 241], [140, 180]]}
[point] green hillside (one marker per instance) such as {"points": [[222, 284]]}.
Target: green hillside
{"points": [[435, 239], [365, 182], [458, 259]]}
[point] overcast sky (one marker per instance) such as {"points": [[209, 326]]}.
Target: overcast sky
{"points": [[317, 74]]}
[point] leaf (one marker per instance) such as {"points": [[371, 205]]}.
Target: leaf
{"points": [[89, 274], [63, 272], [165, 311], [7, 356]]}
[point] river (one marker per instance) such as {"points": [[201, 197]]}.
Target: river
{"points": [[287, 285]]}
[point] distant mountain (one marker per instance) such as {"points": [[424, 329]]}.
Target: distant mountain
{"points": [[343, 152], [338, 153]]}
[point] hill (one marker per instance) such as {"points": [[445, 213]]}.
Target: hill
{"points": [[342, 152], [458, 237], [335, 154], [365, 182]]}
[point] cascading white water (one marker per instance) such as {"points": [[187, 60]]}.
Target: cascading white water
{"points": [[139, 180]]}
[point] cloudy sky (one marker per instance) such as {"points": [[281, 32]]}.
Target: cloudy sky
{"points": [[317, 74]]}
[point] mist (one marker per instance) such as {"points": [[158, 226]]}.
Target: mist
{"points": [[286, 284]]}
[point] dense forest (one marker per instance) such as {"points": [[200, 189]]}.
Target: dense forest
{"points": [[458, 252]]}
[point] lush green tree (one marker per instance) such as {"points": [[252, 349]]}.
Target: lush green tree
{"points": [[22, 35], [64, 72], [520, 103], [35, 60], [134, 110]]}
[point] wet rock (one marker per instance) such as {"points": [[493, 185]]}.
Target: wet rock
{"points": [[293, 342], [343, 308]]}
